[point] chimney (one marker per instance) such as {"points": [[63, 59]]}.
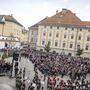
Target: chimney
{"points": [[64, 9], [11, 15], [56, 11]]}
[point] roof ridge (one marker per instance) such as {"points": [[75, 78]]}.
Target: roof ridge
{"points": [[11, 18], [64, 17]]}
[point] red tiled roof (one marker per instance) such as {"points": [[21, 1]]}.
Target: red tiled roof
{"points": [[65, 17], [11, 19], [86, 23]]}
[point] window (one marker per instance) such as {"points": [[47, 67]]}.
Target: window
{"points": [[89, 30], [79, 38], [72, 36], [65, 28], [50, 34], [50, 27], [72, 28], [88, 38], [87, 47], [58, 27], [56, 43], [65, 36], [69, 54], [78, 47], [57, 35], [71, 45], [64, 44], [49, 42], [43, 42], [80, 29], [44, 34]]}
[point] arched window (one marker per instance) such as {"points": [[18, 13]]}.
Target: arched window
{"points": [[88, 38], [65, 35], [79, 37], [71, 45], [64, 44], [56, 43], [78, 46], [72, 36], [57, 35], [87, 47]]}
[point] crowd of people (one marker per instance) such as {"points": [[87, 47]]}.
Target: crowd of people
{"points": [[54, 64], [57, 83], [5, 67], [57, 64]]}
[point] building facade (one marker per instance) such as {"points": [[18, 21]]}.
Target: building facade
{"points": [[65, 32], [10, 30]]}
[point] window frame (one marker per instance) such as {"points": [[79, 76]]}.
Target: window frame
{"points": [[56, 43], [71, 45]]}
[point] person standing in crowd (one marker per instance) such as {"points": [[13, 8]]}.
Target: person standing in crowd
{"points": [[18, 82], [32, 86], [38, 84], [23, 85]]}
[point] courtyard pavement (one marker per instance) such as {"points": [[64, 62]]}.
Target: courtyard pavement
{"points": [[7, 83]]}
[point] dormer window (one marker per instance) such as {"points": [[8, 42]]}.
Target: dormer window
{"points": [[80, 29], [50, 27], [58, 27], [72, 28], [65, 28]]}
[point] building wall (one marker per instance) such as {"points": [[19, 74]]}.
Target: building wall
{"points": [[33, 36], [11, 28], [1, 28], [67, 39]]}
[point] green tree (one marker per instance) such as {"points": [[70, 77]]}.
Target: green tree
{"points": [[79, 52], [47, 47]]}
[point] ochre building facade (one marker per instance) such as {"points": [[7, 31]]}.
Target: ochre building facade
{"points": [[65, 32], [11, 30]]}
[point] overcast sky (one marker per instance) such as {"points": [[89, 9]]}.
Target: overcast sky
{"points": [[29, 12]]}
